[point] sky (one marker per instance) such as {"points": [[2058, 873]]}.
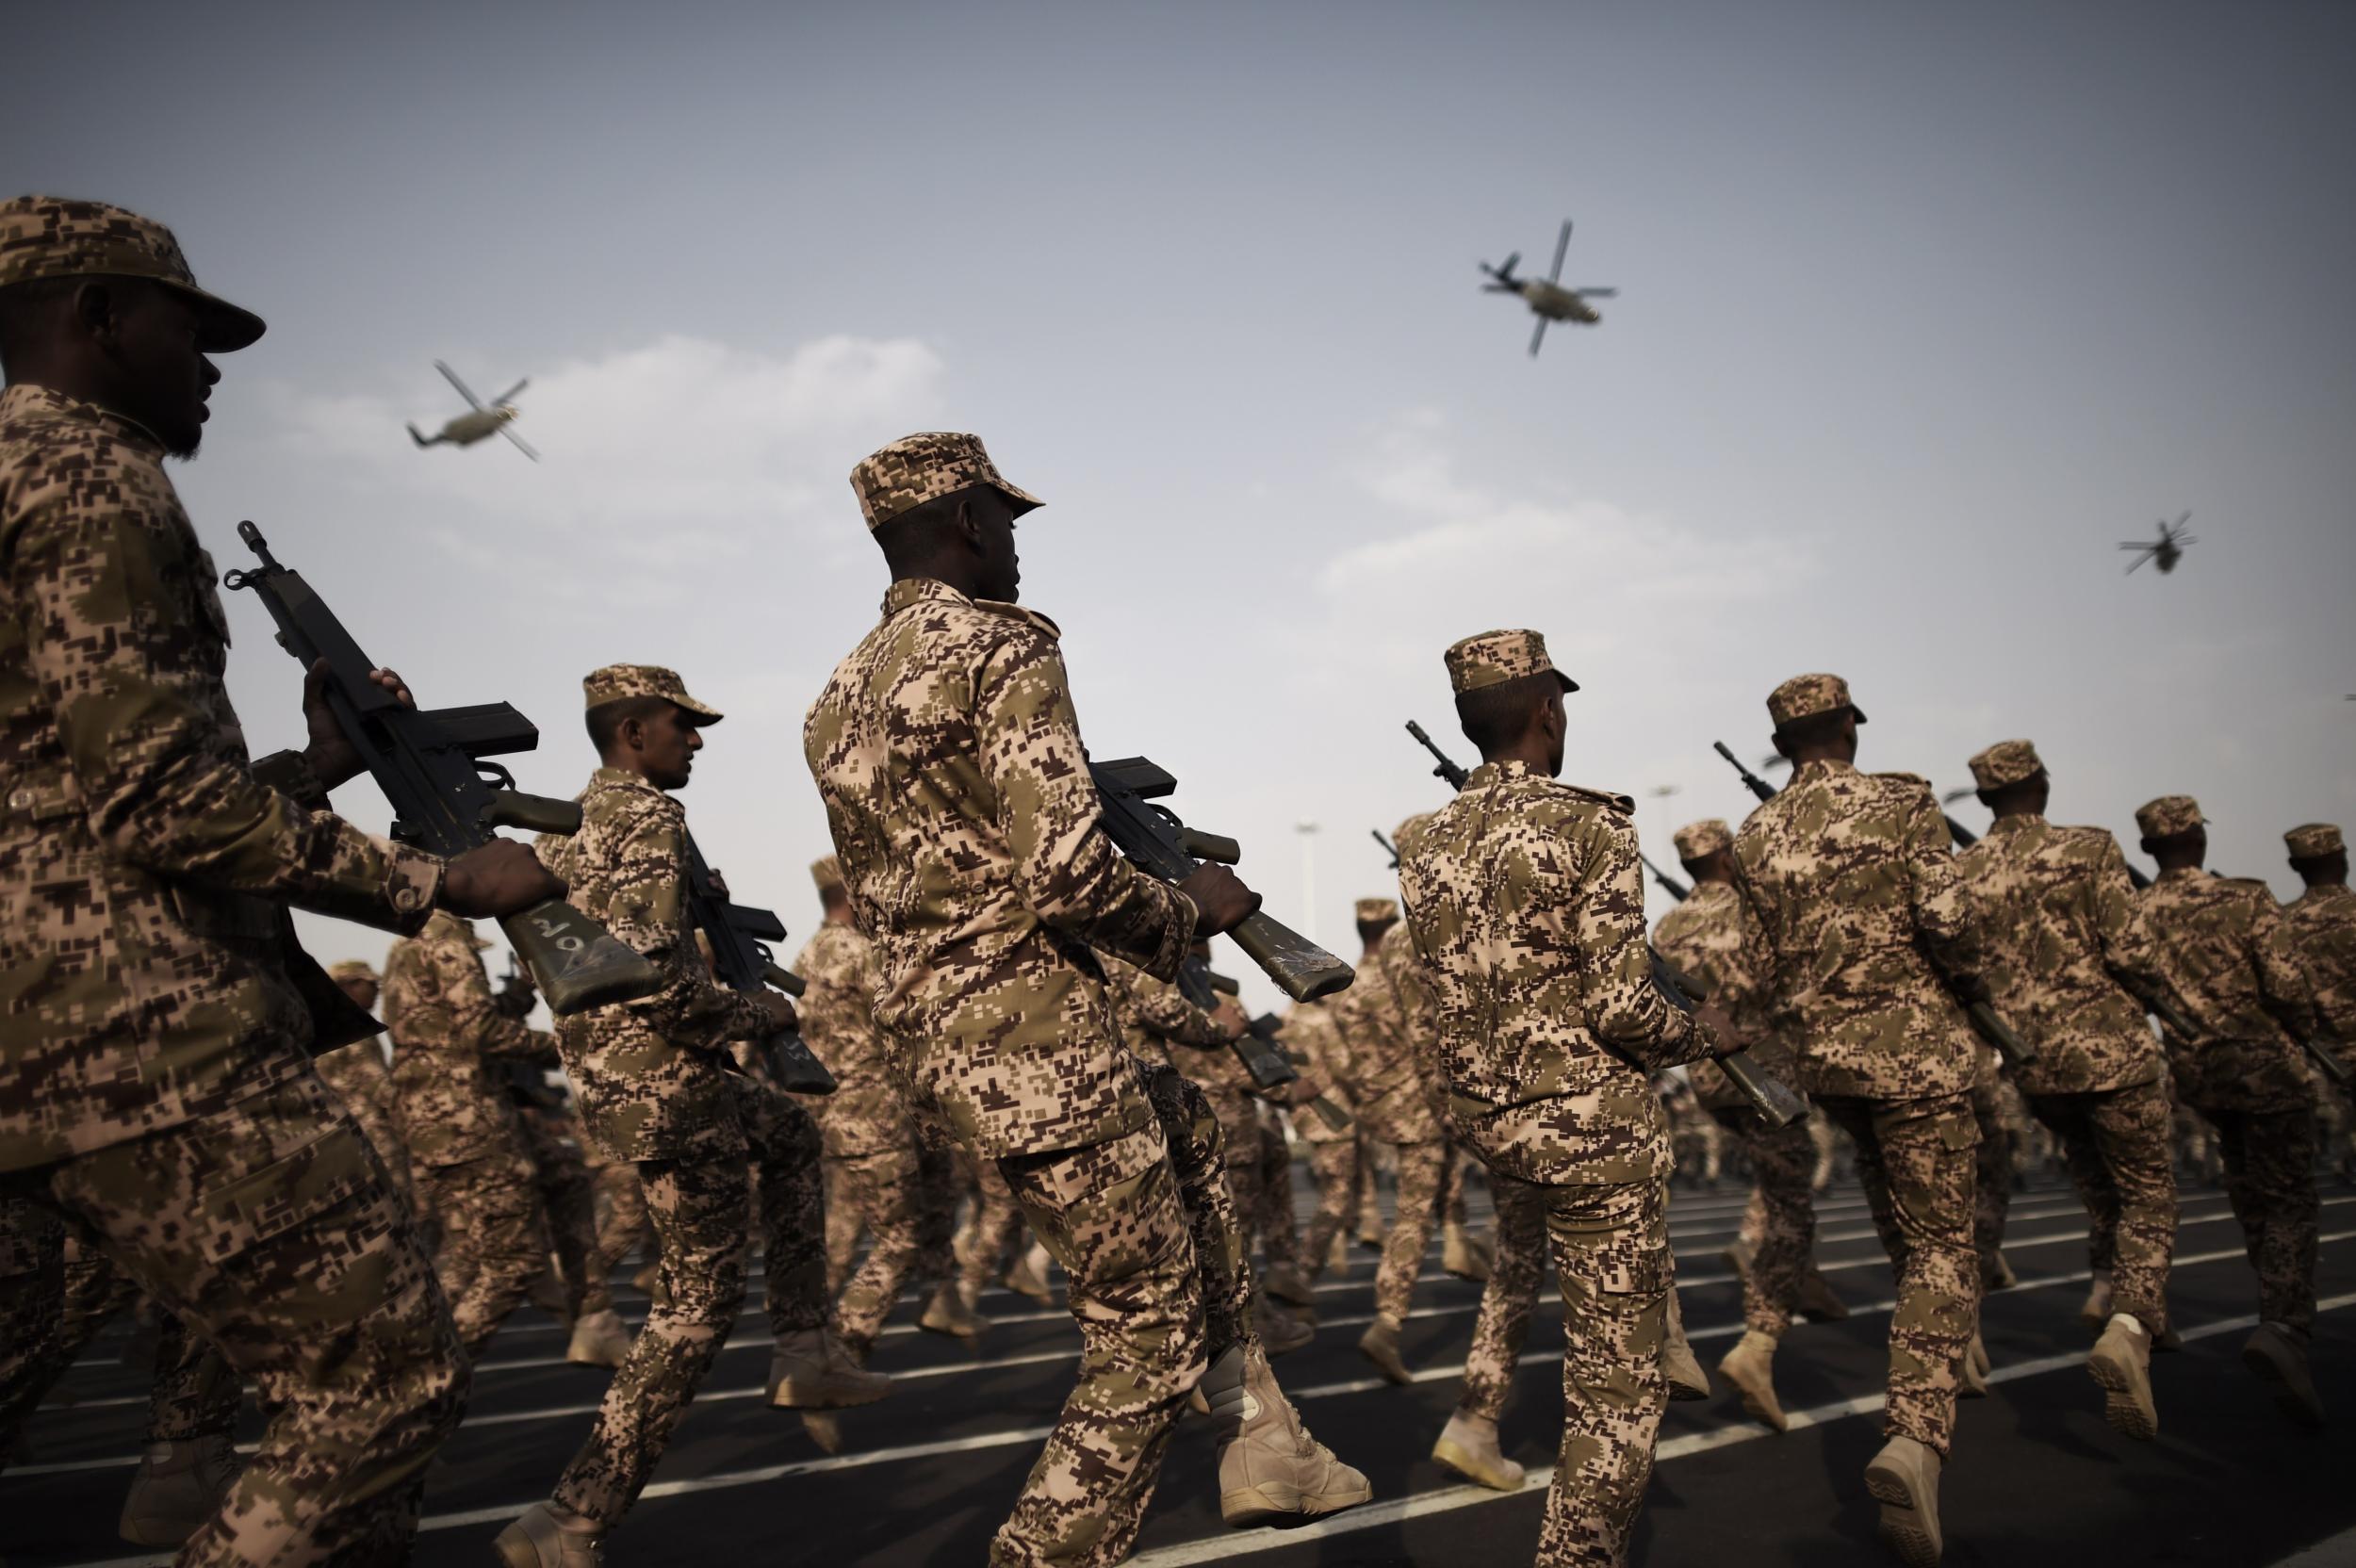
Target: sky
{"points": [[1922, 310]]}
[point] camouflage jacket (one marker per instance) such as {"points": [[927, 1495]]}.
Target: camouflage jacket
{"points": [[1158, 1023], [1526, 905], [452, 1100], [358, 1075], [1862, 910], [1391, 1071], [2230, 965], [1712, 938], [2069, 959], [957, 791], [1309, 1036], [652, 1075], [2322, 924], [868, 1113], [145, 953]]}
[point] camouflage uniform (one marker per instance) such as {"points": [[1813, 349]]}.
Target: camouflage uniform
{"points": [[1310, 1032], [358, 1075], [2232, 969], [466, 1145], [1510, 1294], [1273, 1224], [1526, 902], [2322, 924], [1857, 895], [154, 1089], [2070, 961], [1159, 1024], [553, 1145]]}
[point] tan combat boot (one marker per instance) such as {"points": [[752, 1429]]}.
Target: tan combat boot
{"points": [[1740, 1254], [1750, 1366], [1284, 1281], [2121, 1362], [1468, 1445], [1277, 1329], [177, 1487], [2277, 1353], [1816, 1300], [948, 1313], [810, 1370], [1270, 1467], [1380, 1344], [1370, 1231], [1973, 1373], [1679, 1367], [1337, 1255], [1459, 1256], [2096, 1313], [598, 1340], [548, 1292], [543, 1538], [1904, 1478], [1028, 1276], [824, 1429]]}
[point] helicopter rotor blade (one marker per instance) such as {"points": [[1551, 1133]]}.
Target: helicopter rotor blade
{"points": [[509, 396], [1597, 293], [521, 444], [473, 401], [1562, 245], [1536, 335], [2140, 560]]}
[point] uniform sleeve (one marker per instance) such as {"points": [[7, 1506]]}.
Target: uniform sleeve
{"points": [[476, 1022], [2115, 917], [1163, 1011], [2282, 984], [1943, 916], [648, 911], [1625, 1009], [126, 668], [1067, 871]]}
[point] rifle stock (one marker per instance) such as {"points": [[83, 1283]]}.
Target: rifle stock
{"points": [[1775, 1102]]}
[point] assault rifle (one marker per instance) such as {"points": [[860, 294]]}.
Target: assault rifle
{"points": [[740, 936], [446, 798], [515, 996], [1388, 848], [1158, 843], [1259, 1049], [1770, 1096], [1668, 884]]}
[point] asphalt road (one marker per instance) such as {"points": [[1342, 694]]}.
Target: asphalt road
{"points": [[2037, 1478]]}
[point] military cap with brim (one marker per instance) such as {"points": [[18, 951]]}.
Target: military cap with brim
{"points": [[1377, 912], [2167, 816], [1803, 697], [827, 873], [2314, 840], [57, 236], [352, 969], [1698, 840], [617, 681], [1494, 657], [924, 467], [1410, 829], [2005, 763]]}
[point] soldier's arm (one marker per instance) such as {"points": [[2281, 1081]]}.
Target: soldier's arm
{"points": [[1624, 1008], [1067, 869], [126, 669], [1161, 1011], [476, 1022], [2129, 954], [1943, 911], [2283, 985], [648, 911]]}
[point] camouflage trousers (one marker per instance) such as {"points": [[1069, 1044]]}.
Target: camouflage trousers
{"points": [[1915, 1159], [1335, 1166], [1273, 1224], [1516, 1274], [1240, 1136], [1783, 1159], [702, 1213], [996, 1229], [882, 1192], [1991, 1167], [568, 1198], [273, 1232], [2120, 1161], [56, 1291], [495, 1241], [1143, 1227], [2271, 1182], [1423, 1167], [623, 1224], [357, 1074]]}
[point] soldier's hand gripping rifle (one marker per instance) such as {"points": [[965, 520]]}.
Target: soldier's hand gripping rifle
{"points": [[1161, 845], [446, 798], [1259, 1049], [741, 960]]}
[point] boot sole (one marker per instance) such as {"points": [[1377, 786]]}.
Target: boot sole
{"points": [[1902, 1529], [786, 1397], [2286, 1397], [1393, 1370], [1261, 1505], [2128, 1415], [1456, 1459]]}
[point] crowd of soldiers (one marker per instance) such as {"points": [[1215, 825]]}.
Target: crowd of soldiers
{"points": [[193, 1111]]}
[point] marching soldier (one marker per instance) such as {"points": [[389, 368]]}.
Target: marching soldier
{"points": [[2072, 968], [358, 1075], [1311, 1035], [1870, 952], [154, 1088], [2322, 924], [659, 1086], [2232, 971], [1526, 903], [958, 796]]}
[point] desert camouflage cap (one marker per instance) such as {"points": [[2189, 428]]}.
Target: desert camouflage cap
{"points": [[2169, 815], [1697, 840], [2314, 839], [55, 237], [1494, 657], [352, 969], [1377, 912], [827, 873], [1410, 830], [617, 681], [2005, 763], [924, 467], [1805, 695]]}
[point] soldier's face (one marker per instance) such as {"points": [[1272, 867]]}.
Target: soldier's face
{"points": [[668, 747], [998, 574], [166, 378], [1557, 726]]}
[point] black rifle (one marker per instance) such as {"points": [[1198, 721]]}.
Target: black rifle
{"points": [[740, 936], [1161, 845], [1669, 885], [446, 798], [1259, 1049], [1985, 1019], [515, 996], [1770, 1096], [1388, 848]]}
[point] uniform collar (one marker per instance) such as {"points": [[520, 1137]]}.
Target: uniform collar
{"points": [[29, 400], [2014, 824], [2181, 873], [909, 592], [1500, 772], [1823, 767], [621, 778]]}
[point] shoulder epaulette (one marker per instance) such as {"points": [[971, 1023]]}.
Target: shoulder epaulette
{"points": [[1914, 778], [1622, 804]]}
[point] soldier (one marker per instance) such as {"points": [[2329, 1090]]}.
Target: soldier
{"points": [[358, 1075], [2322, 924], [1310, 1035], [659, 1086], [1870, 952], [958, 793], [575, 1288], [155, 1090], [2232, 969], [2072, 968], [1525, 905]]}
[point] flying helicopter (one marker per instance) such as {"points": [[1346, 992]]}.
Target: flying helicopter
{"points": [[1546, 297], [480, 422], [2164, 551]]}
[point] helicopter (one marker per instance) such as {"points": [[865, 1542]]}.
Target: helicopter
{"points": [[480, 422], [2164, 551], [1548, 298]]}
